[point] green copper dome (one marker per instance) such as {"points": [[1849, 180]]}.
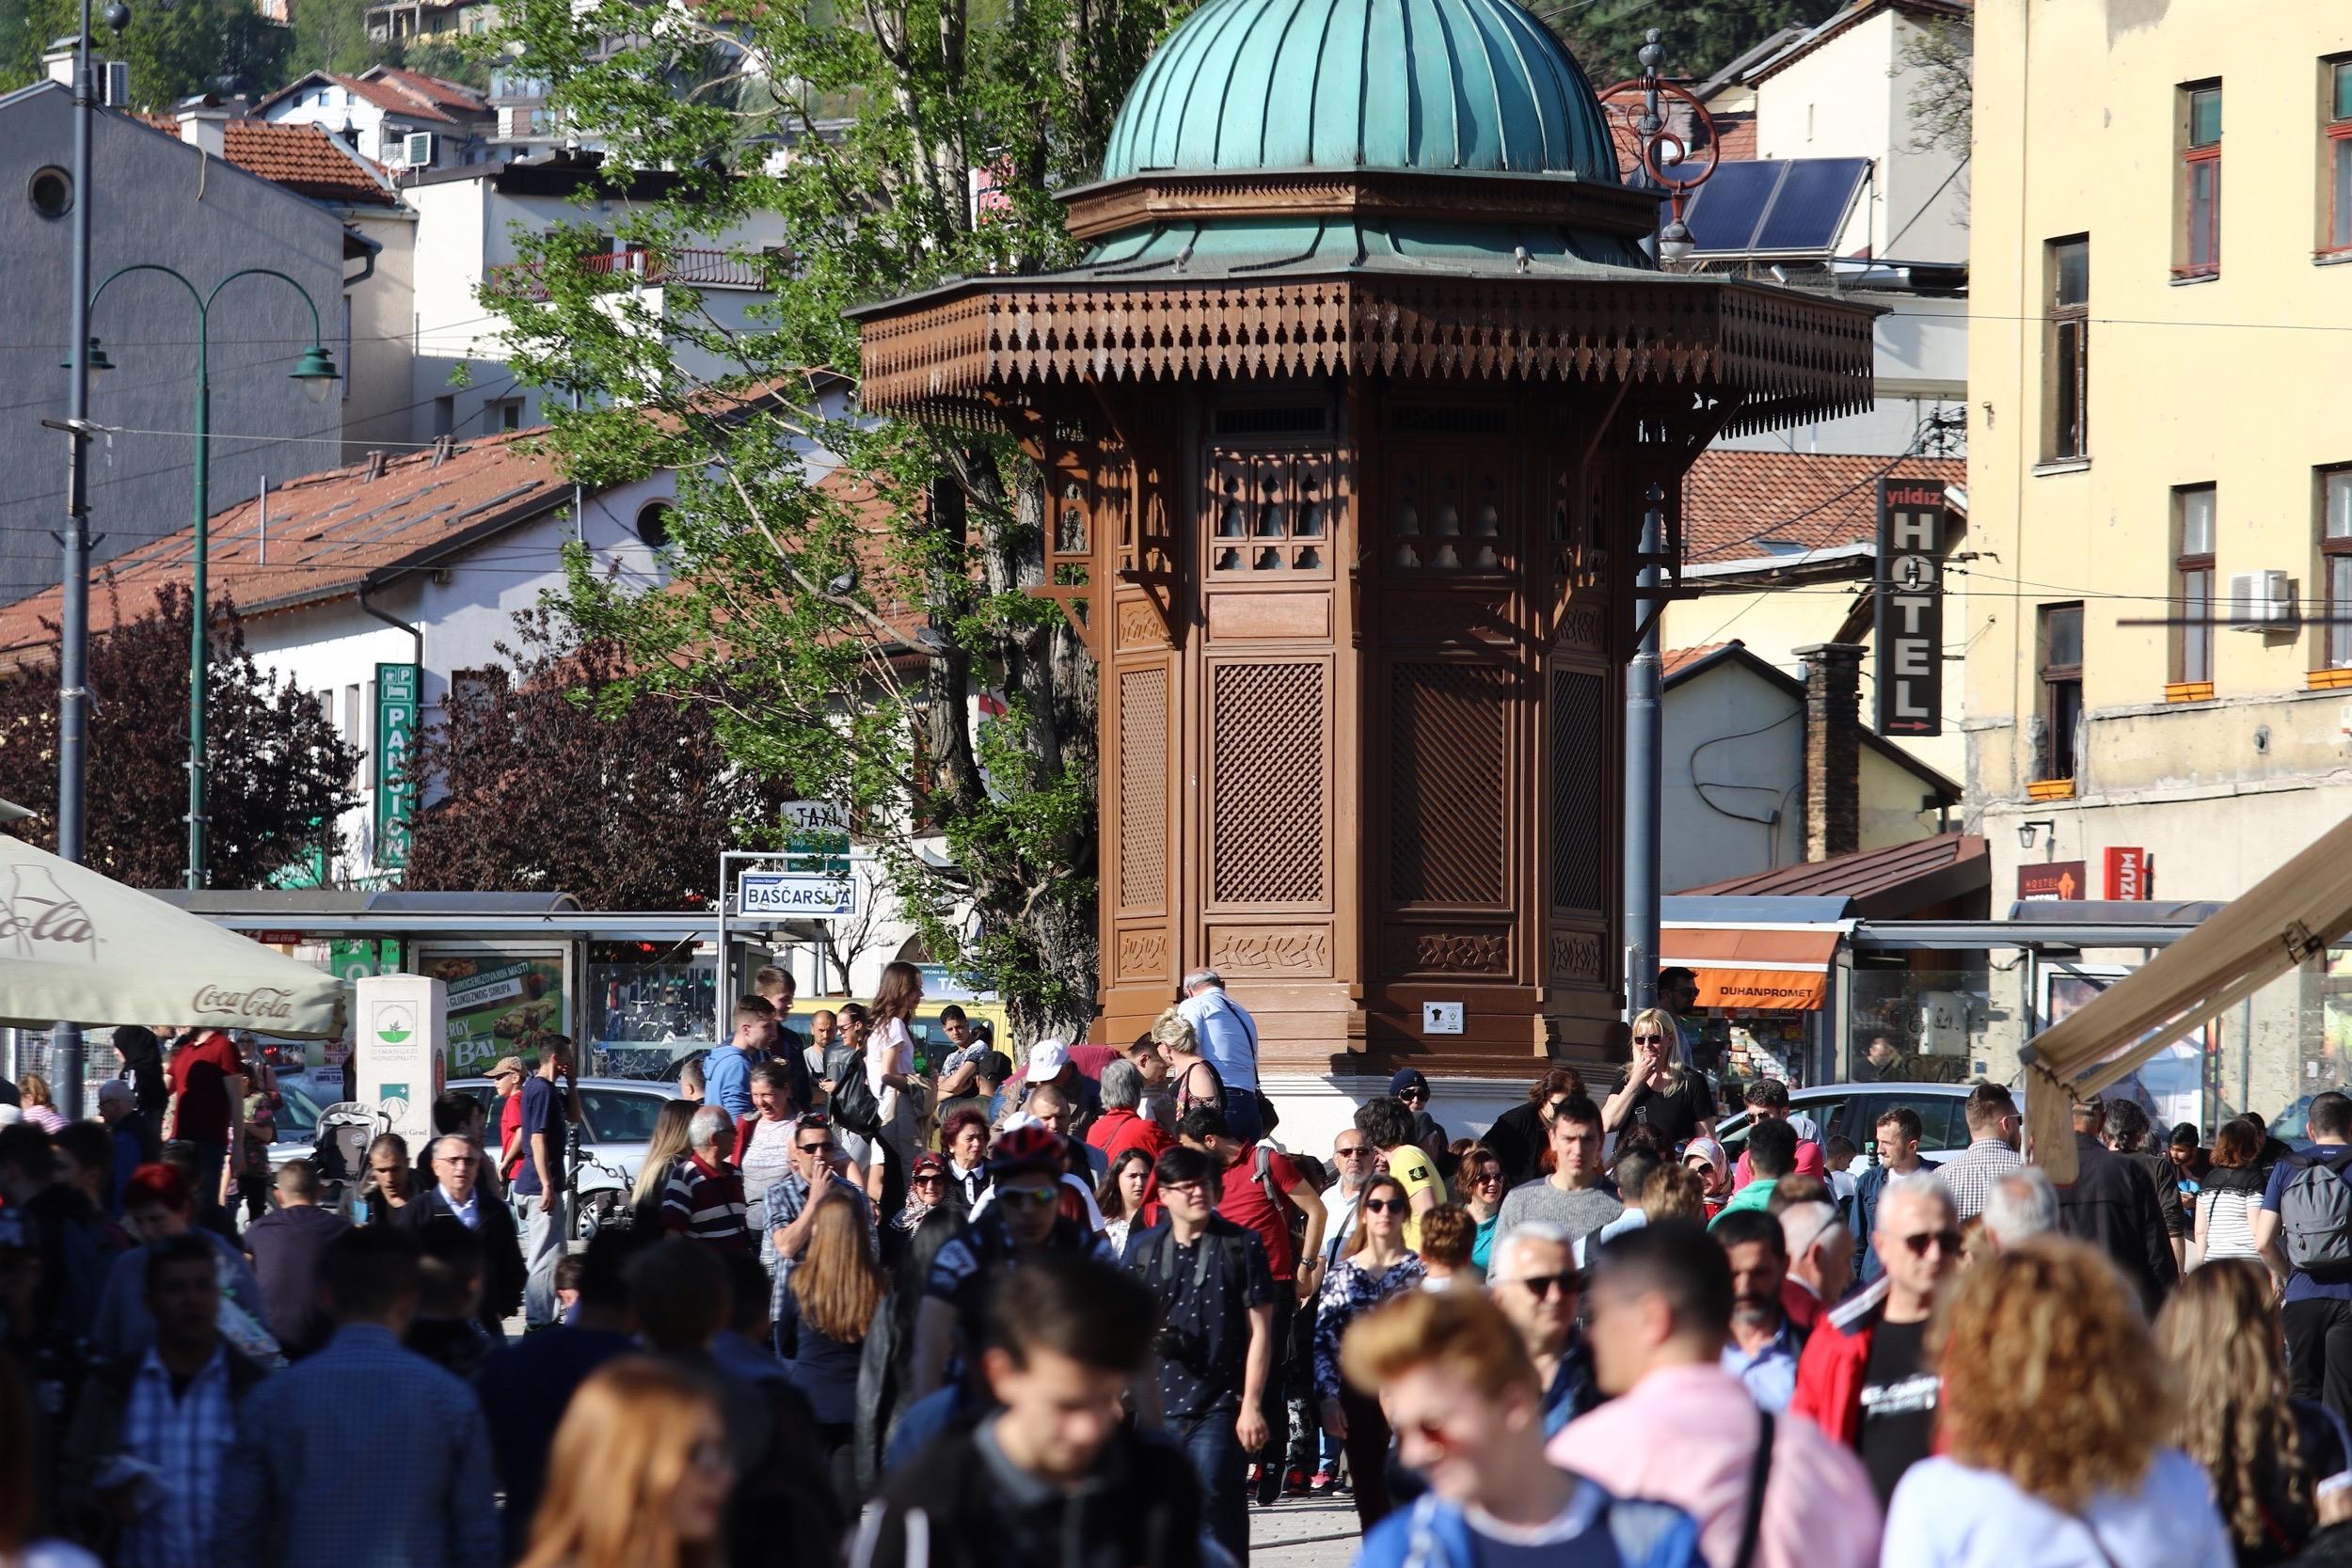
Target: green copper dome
{"points": [[1422, 85]]}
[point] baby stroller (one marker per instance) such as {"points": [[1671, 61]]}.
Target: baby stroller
{"points": [[340, 1151]]}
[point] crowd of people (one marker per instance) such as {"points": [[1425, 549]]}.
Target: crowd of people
{"points": [[1091, 1310]]}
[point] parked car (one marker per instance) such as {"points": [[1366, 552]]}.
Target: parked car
{"points": [[1854, 1109], [618, 1114]]}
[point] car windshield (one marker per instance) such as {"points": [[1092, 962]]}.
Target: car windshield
{"points": [[297, 1113]]}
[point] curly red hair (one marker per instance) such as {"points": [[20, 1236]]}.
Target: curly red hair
{"points": [[156, 1183]]}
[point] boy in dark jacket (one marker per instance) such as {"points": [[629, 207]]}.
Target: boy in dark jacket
{"points": [[1055, 1462]]}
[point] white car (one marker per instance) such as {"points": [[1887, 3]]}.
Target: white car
{"points": [[618, 1113], [1854, 1109]]}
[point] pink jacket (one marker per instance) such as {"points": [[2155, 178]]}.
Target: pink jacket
{"points": [[1687, 1435]]}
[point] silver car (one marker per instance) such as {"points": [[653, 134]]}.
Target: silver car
{"points": [[1854, 1109]]}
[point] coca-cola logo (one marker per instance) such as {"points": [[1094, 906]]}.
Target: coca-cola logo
{"points": [[35, 918], [261, 1001]]}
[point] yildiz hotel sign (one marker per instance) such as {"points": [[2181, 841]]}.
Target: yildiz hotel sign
{"points": [[1909, 622]]}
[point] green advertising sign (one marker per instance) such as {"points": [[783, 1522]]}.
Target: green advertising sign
{"points": [[498, 1006], [397, 688]]}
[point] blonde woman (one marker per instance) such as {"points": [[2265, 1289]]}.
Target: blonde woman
{"points": [[2264, 1450], [2054, 1413], [1658, 1091], [664, 1149], [1193, 1075], [821, 1319], [639, 1476]]}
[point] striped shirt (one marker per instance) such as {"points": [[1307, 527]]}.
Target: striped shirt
{"points": [[2229, 1217], [186, 1437], [706, 1202]]}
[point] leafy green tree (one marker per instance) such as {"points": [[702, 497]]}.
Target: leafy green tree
{"points": [[332, 35], [836, 631], [275, 768], [1700, 35], [194, 46]]}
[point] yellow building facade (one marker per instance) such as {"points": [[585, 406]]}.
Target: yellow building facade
{"points": [[2160, 456]]}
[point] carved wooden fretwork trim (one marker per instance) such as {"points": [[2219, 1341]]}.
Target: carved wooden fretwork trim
{"points": [[1786, 357]]}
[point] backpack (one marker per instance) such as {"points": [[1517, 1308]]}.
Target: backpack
{"points": [[2315, 1217], [1262, 1171]]}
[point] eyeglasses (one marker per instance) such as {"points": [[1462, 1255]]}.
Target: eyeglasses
{"points": [[1190, 1189], [1541, 1286], [1351, 1151], [1488, 1178], [1041, 1197], [1383, 1204], [1919, 1240]]}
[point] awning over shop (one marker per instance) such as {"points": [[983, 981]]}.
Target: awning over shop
{"points": [[1755, 953], [2285, 919]]}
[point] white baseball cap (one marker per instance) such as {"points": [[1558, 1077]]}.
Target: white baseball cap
{"points": [[1047, 1058]]}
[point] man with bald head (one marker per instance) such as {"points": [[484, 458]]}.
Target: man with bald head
{"points": [[453, 1164], [1868, 1378]]}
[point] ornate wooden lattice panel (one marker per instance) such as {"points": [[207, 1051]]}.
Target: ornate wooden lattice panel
{"points": [[1581, 752], [1269, 512], [1143, 754], [1451, 518], [1447, 747], [1268, 826]]}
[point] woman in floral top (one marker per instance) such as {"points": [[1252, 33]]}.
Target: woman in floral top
{"points": [[1376, 1268]]}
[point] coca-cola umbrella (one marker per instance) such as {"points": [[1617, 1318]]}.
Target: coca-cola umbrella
{"points": [[80, 948]]}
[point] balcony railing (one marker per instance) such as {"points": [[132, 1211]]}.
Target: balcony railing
{"points": [[698, 269]]}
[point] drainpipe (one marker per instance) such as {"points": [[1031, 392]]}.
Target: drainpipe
{"points": [[416, 634]]}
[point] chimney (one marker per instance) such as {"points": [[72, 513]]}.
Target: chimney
{"points": [[203, 125], [57, 63], [1833, 748]]}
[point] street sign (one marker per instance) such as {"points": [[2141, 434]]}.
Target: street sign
{"points": [[396, 689], [814, 817], [818, 841], [2130, 873], [1909, 629], [810, 894], [2046, 880]]}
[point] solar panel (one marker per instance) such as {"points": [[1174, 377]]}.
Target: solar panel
{"points": [[1725, 214], [1811, 205]]}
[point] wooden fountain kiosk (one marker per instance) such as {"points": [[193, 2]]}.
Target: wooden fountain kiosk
{"points": [[1350, 415]]}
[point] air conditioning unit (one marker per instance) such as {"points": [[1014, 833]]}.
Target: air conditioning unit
{"points": [[2261, 601], [417, 150], [115, 89]]}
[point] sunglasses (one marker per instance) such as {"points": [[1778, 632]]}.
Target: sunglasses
{"points": [[930, 1179], [1041, 1197], [1414, 1094], [1919, 1240], [825, 1148], [1541, 1286], [1488, 1178], [1384, 1205], [1352, 1151], [1649, 1039]]}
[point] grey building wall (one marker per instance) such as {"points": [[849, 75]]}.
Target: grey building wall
{"points": [[156, 199]]}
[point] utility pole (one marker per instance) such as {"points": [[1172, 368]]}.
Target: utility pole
{"points": [[65, 1041], [1645, 738]]}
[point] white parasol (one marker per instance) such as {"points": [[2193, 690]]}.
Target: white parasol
{"points": [[78, 947]]}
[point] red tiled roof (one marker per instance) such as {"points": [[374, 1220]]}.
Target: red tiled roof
{"points": [[1736, 138], [327, 533], [1736, 505], [1678, 659], [302, 158], [1884, 884], [439, 93]]}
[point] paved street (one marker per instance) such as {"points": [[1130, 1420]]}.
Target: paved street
{"points": [[1307, 1532]]}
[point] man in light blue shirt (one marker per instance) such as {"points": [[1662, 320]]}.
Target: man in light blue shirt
{"points": [[1764, 1345], [1228, 1038], [727, 1070]]}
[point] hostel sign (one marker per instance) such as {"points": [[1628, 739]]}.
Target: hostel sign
{"points": [[1909, 622]]}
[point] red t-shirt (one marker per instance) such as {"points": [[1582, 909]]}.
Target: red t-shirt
{"points": [[510, 1127], [1810, 1163], [1245, 1202], [200, 1074]]}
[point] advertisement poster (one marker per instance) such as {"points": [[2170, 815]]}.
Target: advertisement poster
{"points": [[499, 1003], [2169, 1085], [395, 741]]}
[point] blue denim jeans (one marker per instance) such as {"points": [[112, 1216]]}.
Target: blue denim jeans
{"points": [[1242, 1119], [1224, 1470]]}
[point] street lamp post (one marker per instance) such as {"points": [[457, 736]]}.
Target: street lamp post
{"points": [[317, 374]]}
